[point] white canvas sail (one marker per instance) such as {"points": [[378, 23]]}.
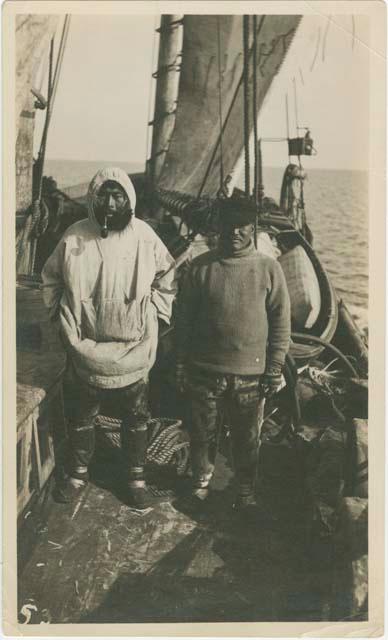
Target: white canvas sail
{"points": [[193, 159]]}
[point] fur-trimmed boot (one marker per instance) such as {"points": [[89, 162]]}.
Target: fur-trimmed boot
{"points": [[134, 446]]}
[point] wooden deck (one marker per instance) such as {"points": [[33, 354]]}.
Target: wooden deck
{"points": [[98, 561]]}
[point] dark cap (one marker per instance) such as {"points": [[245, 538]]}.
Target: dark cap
{"points": [[237, 211]]}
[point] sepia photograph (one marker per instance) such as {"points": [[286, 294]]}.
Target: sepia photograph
{"points": [[190, 204]]}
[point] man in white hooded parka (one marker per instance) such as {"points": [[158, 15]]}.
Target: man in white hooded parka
{"points": [[106, 284]]}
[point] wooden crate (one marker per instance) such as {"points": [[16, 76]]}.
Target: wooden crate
{"points": [[41, 425]]}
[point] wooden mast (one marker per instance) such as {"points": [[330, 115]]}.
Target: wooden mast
{"points": [[166, 90]]}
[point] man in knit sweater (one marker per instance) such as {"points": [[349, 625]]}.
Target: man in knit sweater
{"points": [[233, 333]]}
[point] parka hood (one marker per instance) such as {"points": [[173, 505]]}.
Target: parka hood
{"points": [[103, 175]]}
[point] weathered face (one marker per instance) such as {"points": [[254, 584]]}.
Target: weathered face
{"points": [[112, 206], [234, 238]]}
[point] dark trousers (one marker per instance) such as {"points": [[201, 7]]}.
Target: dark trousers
{"points": [[83, 404], [214, 396]]}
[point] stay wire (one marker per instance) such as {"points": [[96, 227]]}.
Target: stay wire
{"points": [[147, 144], [220, 101], [61, 52], [42, 150], [256, 142], [53, 80], [246, 104]]}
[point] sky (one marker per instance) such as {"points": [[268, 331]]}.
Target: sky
{"points": [[105, 94]]}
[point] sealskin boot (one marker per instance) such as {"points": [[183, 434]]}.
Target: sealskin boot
{"points": [[134, 445], [141, 498], [69, 491]]}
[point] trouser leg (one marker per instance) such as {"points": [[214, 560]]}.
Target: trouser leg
{"points": [[82, 407], [135, 417], [206, 411], [244, 417]]}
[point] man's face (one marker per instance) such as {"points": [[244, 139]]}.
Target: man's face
{"points": [[236, 238], [111, 204]]}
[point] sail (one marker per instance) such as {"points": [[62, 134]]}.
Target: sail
{"points": [[212, 62]]}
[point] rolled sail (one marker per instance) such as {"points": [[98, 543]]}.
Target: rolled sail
{"points": [[192, 164]]}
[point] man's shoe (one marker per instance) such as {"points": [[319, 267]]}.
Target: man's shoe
{"points": [[245, 501], [69, 491], [245, 505], [140, 498]]}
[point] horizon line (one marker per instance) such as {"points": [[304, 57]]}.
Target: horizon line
{"points": [[142, 163]]}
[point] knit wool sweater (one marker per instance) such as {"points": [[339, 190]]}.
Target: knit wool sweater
{"points": [[233, 313]]}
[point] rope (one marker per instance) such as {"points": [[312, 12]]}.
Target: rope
{"points": [[325, 38], [52, 89], [316, 49], [353, 32], [167, 442], [173, 66], [254, 104], [41, 220], [37, 187], [296, 105], [147, 144], [42, 150], [302, 337], [220, 101], [58, 66], [246, 105], [174, 23]]}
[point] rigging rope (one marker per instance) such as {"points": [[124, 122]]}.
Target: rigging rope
{"points": [[296, 106], [325, 38], [353, 32], [42, 150], [316, 49], [53, 85], [39, 219], [220, 101], [257, 177], [61, 51], [36, 212], [246, 105], [288, 129], [152, 76]]}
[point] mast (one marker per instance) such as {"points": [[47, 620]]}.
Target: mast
{"points": [[166, 90]]}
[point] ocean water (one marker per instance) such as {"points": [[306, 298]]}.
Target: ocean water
{"points": [[69, 173], [337, 212]]}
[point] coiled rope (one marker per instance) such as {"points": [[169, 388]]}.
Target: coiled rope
{"points": [[168, 443]]}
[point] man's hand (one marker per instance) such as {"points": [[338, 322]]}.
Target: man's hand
{"points": [[181, 378], [270, 382]]}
